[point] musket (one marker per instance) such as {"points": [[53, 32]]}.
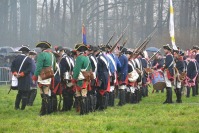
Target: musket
{"points": [[154, 55], [110, 39], [119, 39], [143, 45], [124, 43]]}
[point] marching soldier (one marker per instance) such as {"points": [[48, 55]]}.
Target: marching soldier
{"points": [[168, 72], [82, 63], [45, 59], [21, 68]]}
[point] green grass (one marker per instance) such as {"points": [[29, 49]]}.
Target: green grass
{"points": [[148, 116]]}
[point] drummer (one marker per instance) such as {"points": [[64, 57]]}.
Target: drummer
{"points": [[157, 64], [168, 72]]}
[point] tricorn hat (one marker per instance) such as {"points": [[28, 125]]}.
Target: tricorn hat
{"points": [[24, 48], [167, 46], [44, 44], [102, 47], [195, 47], [60, 48], [81, 47], [32, 52]]}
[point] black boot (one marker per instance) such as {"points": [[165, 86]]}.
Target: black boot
{"points": [[193, 91], [70, 101], [120, 98], [91, 103], [17, 101], [110, 99], [147, 91], [43, 110], [188, 92], [178, 95], [167, 96], [136, 96], [106, 99], [83, 106], [48, 104], [94, 102], [197, 86], [32, 96], [113, 99], [170, 95], [24, 100], [54, 103]]}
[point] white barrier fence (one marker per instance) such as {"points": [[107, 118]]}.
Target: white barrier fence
{"points": [[5, 75]]}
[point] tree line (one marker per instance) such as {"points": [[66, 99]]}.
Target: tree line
{"points": [[25, 22]]}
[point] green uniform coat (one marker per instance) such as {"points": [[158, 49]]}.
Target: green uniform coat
{"points": [[81, 63]]}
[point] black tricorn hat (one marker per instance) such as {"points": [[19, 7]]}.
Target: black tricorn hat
{"points": [[24, 48], [81, 47], [44, 44], [102, 47], [176, 51], [195, 47], [167, 46], [109, 46], [90, 48], [60, 48], [33, 52]]}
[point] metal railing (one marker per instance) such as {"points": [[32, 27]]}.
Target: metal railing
{"points": [[5, 75]]}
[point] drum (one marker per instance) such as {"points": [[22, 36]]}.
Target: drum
{"points": [[158, 80]]}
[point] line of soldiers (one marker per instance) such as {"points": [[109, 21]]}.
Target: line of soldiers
{"points": [[89, 77]]}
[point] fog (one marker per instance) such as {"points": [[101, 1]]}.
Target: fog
{"points": [[26, 22]]}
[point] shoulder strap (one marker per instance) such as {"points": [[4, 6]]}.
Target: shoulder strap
{"points": [[196, 66], [171, 62], [68, 61], [22, 64]]}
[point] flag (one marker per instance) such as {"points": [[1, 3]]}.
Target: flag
{"points": [[84, 35], [171, 26]]}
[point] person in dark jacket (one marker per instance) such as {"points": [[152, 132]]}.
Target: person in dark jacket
{"points": [[196, 50], [66, 67], [192, 72], [21, 68], [168, 72], [157, 64], [102, 78], [33, 86], [180, 68], [122, 73]]}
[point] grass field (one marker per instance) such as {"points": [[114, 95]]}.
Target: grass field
{"points": [[148, 116]]}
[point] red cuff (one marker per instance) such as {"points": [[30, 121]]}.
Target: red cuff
{"points": [[21, 74], [34, 78], [14, 73], [162, 68], [74, 81]]}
